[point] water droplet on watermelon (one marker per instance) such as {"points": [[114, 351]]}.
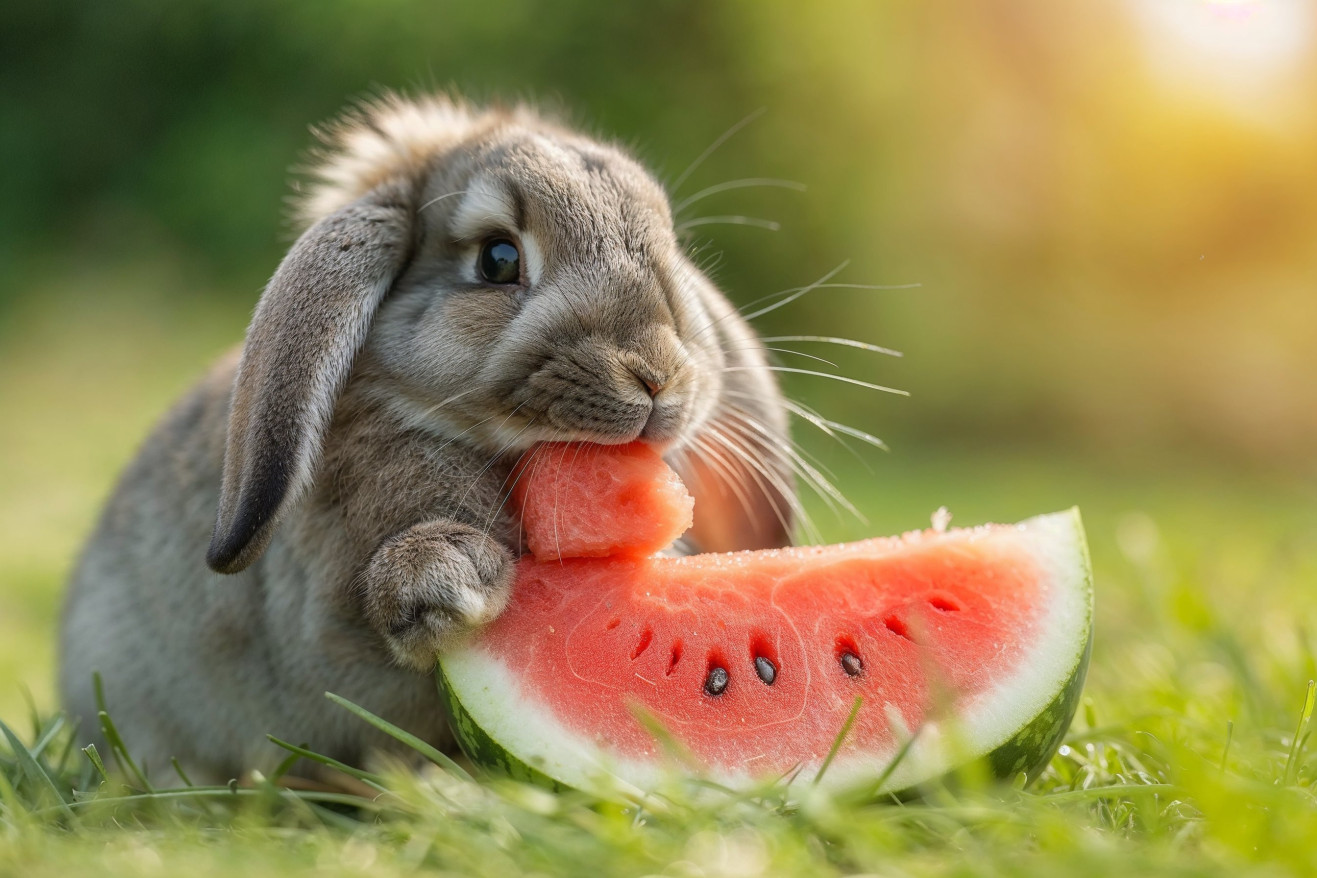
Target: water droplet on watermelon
{"points": [[716, 682], [851, 664], [764, 668]]}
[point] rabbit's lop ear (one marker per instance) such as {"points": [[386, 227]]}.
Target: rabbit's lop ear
{"points": [[308, 327]]}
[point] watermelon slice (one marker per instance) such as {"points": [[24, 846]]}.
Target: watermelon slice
{"points": [[593, 501], [958, 645]]}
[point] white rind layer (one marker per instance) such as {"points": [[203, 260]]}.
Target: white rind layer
{"points": [[493, 699]]}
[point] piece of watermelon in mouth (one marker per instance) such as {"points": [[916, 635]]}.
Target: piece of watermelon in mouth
{"points": [[595, 501], [973, 641]]}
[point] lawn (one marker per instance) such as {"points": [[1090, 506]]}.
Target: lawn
{"points": [[1183, 759]]}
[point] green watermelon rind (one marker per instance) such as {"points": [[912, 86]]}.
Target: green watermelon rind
{"points": [[1030, 750], [1027, 751], [481, 748]]}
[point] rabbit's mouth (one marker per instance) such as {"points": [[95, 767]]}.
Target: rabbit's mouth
{"points": [[606, 401], [597, 418]]}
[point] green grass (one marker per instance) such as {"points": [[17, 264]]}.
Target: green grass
{"points": [[1189, 756]]}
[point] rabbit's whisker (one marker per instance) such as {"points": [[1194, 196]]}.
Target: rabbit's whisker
{"points": [[792, 294], [509, 489], [743, 451], [856, 381], [807, 471], [450, 440], [764, 478], [800, 291], [557, 495], [712, 456], [832, 339], [783, 351], [747, 183], [439, 405], [738, 439], [829, 427], [713, 147], [710, 449], [713, 324], [497, 455], [730, 220], [826, 425], [440, 198]]}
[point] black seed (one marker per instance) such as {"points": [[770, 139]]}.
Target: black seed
{"points": [[851, 664], [716, 681], [764, 668]]}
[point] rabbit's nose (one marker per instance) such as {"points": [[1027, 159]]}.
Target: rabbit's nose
{"points": [[653, 385]]}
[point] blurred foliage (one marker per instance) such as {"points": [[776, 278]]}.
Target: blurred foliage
{"points": [[1109, 205]]}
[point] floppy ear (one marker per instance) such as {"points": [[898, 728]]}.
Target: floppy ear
{"points": [[309, 325]]}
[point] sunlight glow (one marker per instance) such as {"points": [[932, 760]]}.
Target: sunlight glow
{"points": [[1233, 49]]}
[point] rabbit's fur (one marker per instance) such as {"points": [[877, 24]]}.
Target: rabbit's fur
{"points": [[358, 450]]}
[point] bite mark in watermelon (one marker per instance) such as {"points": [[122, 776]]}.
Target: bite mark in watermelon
{"points": [[595, 501], [975, 641]]}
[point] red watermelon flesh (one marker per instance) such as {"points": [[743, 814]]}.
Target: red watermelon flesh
{"points": [[594, 501], [973, 640], [589, 638]]}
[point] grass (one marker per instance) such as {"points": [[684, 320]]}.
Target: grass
{"points": [[1190, 755]]}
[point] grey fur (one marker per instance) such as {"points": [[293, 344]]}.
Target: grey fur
{"points": [[357, 453]]}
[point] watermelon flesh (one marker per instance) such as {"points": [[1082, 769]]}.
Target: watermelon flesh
{"points": [[974, 641], [595, 501]]}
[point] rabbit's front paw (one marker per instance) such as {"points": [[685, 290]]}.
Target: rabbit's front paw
{"points": [[432, 580]]}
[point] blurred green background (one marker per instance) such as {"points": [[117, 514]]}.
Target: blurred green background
{"points": [[1110, 208]]}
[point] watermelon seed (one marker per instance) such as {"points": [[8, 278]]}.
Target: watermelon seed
{"points": [[646, 637], [851, 664], [764, 668], [674, 656], [716, 682], [613, 624]]}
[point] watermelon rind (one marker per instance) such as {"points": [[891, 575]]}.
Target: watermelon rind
{"points": [[1014, 727]]}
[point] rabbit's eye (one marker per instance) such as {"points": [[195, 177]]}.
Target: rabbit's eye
{"points": [[500, 261]]}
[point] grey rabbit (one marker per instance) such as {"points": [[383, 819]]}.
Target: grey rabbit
{"points": [[324, 511]]}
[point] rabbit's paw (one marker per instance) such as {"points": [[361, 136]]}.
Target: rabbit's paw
{"points": [[430, 581]]}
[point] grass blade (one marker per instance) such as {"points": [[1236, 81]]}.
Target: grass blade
{"points": [[35, 774], [9, 798], [837, 741], [1114, 791], [112, 737], [676, 750], [44, 739], [400, 735], [895, 763], [178, 769], [120, 751], [373, 781], [61, 766], [1296, 745], [284, 767], [202, 794], [95, 758]]}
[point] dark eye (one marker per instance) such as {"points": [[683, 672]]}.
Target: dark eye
{"points": [[500, 261]]}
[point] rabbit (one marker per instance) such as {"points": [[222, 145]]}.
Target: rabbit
{"points": [[327, 509]]}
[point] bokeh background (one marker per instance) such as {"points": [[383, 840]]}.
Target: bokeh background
{"points": [[1109, 206]]}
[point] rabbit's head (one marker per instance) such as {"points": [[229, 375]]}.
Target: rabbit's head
{"points": [[492, 278]]}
